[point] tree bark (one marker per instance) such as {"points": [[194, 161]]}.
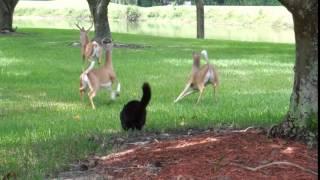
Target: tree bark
{"points": [[302, 115], [99, 12], [200, 19], [6, 15]]}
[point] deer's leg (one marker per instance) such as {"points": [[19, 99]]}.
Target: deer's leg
{"points": [[113, 92], [89, 84], [116, 92], [81, 95], [190, 91], [201, 88], [91, 95], [118, 87], [85, 82], [214, 85], [182, 93], [214, 92], [82, 88], [115, 89]]}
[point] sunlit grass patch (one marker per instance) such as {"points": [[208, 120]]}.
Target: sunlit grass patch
{"points": [[4, 62], [252, 62], [59, 106], [178, 62]]}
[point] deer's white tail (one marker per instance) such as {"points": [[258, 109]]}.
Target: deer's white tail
{"points": [[205, 55]]}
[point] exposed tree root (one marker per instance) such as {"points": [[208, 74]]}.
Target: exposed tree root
{"points": [[130, 46], [289, 130], [243, 130], [275, 163], [8, 30]]}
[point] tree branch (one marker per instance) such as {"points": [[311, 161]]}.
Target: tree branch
{"points": [[294, 5], [289, 4]]}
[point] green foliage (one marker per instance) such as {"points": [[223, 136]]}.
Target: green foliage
{"points": [[179, 2], [125, 2], [235, 2], [312, 127], [44, 126], [133, 14], [209, 2], [177, 13], [119, 14], [312, 123], [252, 2], [145, 3], [153, 14], [273, 16]]}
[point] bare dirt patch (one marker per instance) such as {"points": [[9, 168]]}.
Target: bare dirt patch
{"points": [[204, 155]]}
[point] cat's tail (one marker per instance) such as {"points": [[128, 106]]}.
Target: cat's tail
{"points": [[146, 94]]}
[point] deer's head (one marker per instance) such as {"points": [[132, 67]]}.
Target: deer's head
{"points": [[196, 58], [107, 43], [84, 38]]}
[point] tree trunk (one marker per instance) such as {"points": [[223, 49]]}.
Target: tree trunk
{"points": [[200, 19], [99, 12], [6, 15], [302, 115]]}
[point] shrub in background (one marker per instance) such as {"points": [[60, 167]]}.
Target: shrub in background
{"points": [[133, 14]]}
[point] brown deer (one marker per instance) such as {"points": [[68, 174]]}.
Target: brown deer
{"points": [[102, 77], [200, 77], [90, 50]]}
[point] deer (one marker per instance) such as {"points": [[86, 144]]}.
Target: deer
{"points": [[102, 77], [200, 77], [90, 50]]}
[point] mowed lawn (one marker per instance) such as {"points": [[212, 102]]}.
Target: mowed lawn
{"points": [[44, 126]]}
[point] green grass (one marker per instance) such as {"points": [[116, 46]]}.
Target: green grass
{"points": [[44, 126]]}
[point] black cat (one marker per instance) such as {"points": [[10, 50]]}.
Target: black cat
{"points": [[133, 114]]}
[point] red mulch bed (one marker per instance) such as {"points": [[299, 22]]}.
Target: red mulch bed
{"points": [[211, 156]]}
